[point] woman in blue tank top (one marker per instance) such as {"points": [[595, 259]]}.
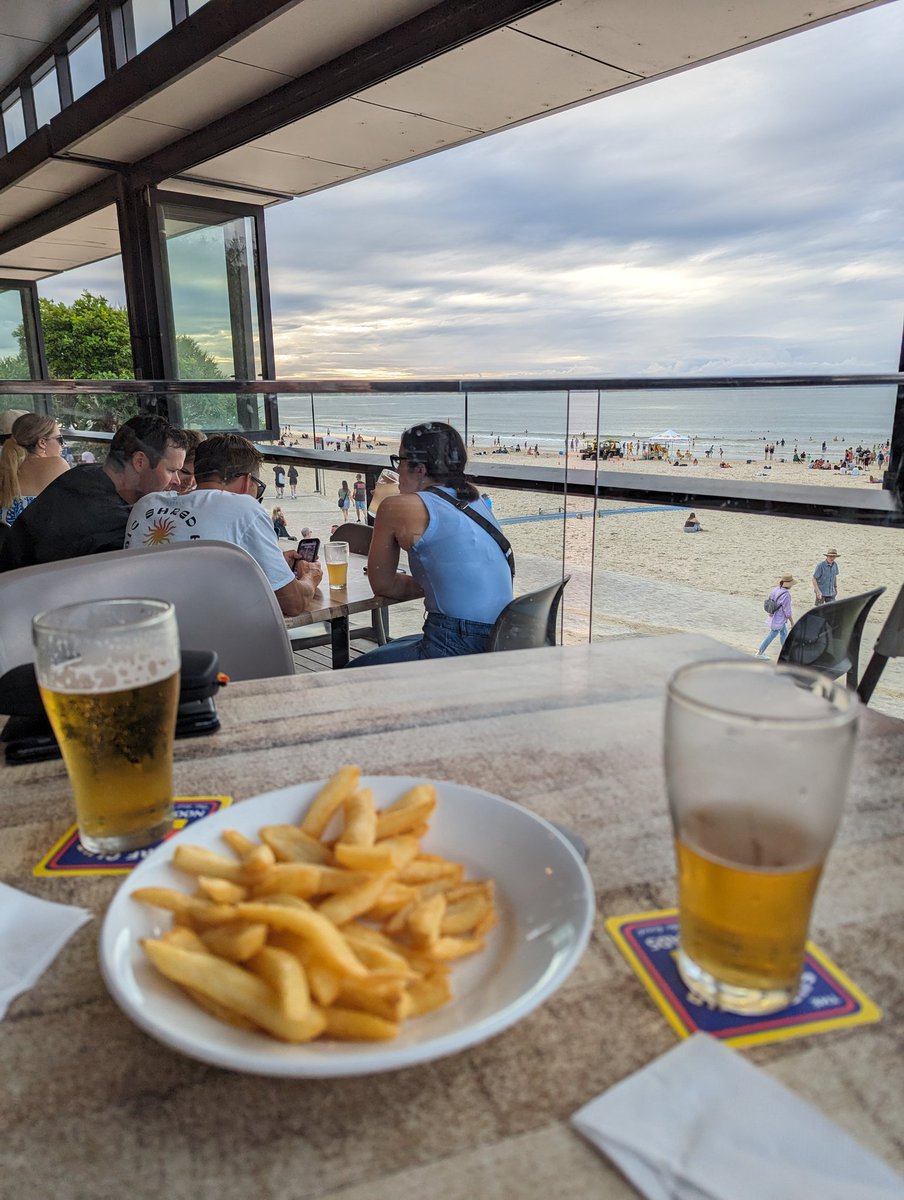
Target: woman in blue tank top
{"points": [[461, 571]]}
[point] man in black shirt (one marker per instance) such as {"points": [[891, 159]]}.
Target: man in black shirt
{"points": [[88, 514]]}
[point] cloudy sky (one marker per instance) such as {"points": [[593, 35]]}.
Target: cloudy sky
{"points": [[742, 217]]}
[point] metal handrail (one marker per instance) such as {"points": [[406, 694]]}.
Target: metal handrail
{"points": [[628, 383], [811, 502]]}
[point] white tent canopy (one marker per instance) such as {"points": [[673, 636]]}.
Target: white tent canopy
{"points": [[669, 435]]}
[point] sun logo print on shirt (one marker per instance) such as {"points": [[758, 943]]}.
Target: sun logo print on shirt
{"points": [[160, 532]]}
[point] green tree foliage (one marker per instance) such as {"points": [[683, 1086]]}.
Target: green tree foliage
{"points": [[90, 339]]}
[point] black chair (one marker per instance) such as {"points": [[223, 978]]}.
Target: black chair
{"points": [[889, 644], [827, 638], [357, 534], [529, 621]]}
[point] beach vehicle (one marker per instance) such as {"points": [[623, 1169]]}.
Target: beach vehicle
{"points": [[608, 448]]}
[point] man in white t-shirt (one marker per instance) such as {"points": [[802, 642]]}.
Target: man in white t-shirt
{"points": [[223, 508]]}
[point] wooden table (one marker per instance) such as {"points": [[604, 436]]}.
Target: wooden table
{"points": [[335, 608], [92, 1108]]}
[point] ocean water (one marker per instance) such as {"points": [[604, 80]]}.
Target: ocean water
{"points": [[738, 421]]}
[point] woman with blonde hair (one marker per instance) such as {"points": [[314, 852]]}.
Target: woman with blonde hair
{"points": [[30, 459]]}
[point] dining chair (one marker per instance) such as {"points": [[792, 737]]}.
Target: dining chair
{"points": [[889, 644], [223, 601], [356, 533], [528, 621], [827, 638]]}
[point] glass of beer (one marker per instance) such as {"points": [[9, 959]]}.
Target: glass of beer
{"points": [[336, 557], [757, 761], [108, 672], [387, 485]]}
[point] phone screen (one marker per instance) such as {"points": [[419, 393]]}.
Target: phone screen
{"points": [[309, 548]]}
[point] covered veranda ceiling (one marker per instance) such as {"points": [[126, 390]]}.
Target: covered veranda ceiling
{"points": [[305, 95]]}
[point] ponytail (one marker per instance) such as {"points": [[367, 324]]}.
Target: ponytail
{"points": [[11, 456]]}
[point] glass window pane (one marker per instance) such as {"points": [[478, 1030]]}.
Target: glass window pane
{"points": [[213, 295], [13, 350], [47, 96], [194, 5], [152, 19], [14, 123], [86, 64]]}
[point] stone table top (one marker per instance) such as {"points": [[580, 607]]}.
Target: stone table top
{"points": [[93, 1109]]}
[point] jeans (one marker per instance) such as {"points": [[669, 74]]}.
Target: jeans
{"points": [[781, 632], [442, 637]]}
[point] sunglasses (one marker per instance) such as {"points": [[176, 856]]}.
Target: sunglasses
{"points": [[395, 459], [57, 437], [261, 486]]}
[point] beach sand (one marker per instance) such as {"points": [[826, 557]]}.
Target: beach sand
{"points": [[652, 578]]}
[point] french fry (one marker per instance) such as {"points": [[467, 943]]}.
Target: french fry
{"points": [[256, 864], [283, 937], [424, 869], [461, 916], [179, 935], [329, 799], [408, 812], [192, 909], [317, 929], [425, 920], [286, 976], [429, 993], [392, 1003], [196, 860], [345, 906], [238, 941], [447, 948], [295, 879], [221, 891], [233, 988], [292, 845], [238, 843], [348, 1025], [360, 820]]}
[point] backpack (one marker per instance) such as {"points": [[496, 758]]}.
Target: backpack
{"points": [[770, 604]]}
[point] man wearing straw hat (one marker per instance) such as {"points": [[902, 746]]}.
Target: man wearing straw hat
{"points": [[824, 578]]}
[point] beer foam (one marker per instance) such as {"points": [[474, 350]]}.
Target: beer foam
{"points": [[100, 671]]}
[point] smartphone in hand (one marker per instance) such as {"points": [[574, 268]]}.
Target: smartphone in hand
{"points": [[309, 549]]}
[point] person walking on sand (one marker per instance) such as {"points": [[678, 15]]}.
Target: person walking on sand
{"points": [[359, 488], [292, 476], [781, 618], [825, 578]]}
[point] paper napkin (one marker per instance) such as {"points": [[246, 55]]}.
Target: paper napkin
{"points": [[702, 1123], [32, 933]]}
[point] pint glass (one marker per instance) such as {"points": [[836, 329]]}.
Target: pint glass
{"points": [[336, 557], [757, 762], [387, 485], [108, 671]]}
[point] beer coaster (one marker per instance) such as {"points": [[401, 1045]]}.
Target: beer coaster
{"points": [[68, 856], [827, 998]]}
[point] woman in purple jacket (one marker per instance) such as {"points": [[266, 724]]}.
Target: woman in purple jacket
{"points": [[781, 620]]}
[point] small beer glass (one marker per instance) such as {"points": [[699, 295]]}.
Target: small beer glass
{"points": [[108, 671], [335, 555], [757, 761]]}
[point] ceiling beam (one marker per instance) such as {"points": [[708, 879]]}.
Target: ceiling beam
{"points": [[416, 41]]}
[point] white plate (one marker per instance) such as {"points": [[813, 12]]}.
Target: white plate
{"points": [[546, 909]]}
